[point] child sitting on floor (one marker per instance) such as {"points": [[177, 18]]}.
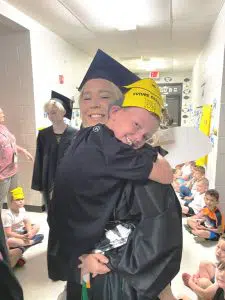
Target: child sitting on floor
{"points": [[188, 189], [177, 179], [194, 207], [214, 291], [209, 222], [17, 226], [205, 275]]}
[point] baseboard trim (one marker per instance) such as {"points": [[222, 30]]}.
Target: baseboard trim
{"points": [[32, 208]]}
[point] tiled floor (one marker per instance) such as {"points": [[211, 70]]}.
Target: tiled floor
{"points": [[37, 286]]}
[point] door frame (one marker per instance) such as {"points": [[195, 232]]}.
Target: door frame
{"points": [[173, 89]]}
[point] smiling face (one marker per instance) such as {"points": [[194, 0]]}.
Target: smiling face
{"points": [[133, 125], [201, 187], [55, 115], [220, 250], [95, 98], [2, 116]]}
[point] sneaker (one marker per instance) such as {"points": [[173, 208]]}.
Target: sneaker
{"points": [[37, 239]]}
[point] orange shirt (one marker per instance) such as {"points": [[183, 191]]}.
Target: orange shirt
{"points": [[213, 218]]}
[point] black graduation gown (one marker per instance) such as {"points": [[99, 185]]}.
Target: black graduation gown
{"points": [[48, 155], [158, 212], [10, 288], [151, 258], [89, 181]]}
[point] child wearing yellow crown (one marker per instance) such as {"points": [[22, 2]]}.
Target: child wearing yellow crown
{"points": [[17, 225]]}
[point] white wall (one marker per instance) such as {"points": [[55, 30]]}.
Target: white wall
{"points": [[55, 57], [17, 98], [49, 56], [209, 87]]}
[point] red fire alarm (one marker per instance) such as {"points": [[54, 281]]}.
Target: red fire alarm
{"points": [[61, 79]]}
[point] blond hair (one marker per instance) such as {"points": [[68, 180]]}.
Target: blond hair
{"points": [[54, 103], [221, 266], [204, 181], [116, 93]]}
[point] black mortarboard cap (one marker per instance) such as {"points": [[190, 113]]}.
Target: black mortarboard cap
{"points": [[105, 67], [66, 102]]}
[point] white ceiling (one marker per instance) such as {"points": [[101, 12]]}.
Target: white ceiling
{"points": [[175, 30]]}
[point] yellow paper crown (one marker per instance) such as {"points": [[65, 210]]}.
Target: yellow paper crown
{"points": [[144, 93], [17, 193]]}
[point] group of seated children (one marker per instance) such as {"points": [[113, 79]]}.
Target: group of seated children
{"points": [[200, 204], [20, 233], [206, 222]]}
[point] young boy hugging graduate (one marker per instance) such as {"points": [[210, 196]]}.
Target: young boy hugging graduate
{"points": [[105, 177]]}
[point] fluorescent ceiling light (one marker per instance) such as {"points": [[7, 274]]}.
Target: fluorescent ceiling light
{"points": [[119, 14], [154, 64]]}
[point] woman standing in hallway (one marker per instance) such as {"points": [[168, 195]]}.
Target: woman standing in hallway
{"points": [[8, 160], [52, 143]]}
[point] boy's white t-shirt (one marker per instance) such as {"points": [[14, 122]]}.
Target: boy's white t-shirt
{"points": [[15, 221], [198, 203], [193, 189]]}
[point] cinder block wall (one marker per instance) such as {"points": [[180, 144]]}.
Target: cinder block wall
{"points": [[17, 101]]}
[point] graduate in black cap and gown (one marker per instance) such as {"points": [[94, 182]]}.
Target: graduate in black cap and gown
{"points": [[52, 142], [152, 201]]}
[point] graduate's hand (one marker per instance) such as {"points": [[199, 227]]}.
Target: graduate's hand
{"points": [[93, 263]]}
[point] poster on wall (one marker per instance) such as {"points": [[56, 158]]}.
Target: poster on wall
{"points": [[197, 113], [204, 126]]}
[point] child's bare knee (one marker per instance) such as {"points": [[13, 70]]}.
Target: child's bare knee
{"points": [[204, 283]]}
